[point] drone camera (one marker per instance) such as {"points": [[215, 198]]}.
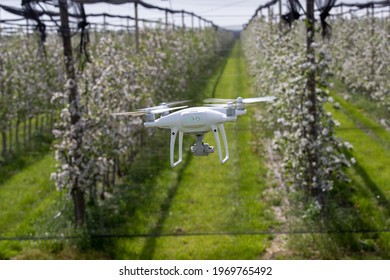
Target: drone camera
{"points": [[200, 148], [204, 149]]}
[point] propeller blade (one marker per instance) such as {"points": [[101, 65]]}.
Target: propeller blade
{"points": [[244, 100], [134, 114], [217, 105], [165, 105], [163, 110], [259, 99], [218, 100], [178, 102], [142, 113]]}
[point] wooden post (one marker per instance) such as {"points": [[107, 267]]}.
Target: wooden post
{"points": [[372, 42], [166, 19], [192, 20], [104, 23], [3, 115], [136, 27], [280, 17], [388, 25], [0, 24], [372, 20], [75, 113], [182, 20], [200, 23]]}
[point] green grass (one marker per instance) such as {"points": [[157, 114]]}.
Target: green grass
{"points": [[364, 203], [199, 210], [202, 209], [26, 195], [371, 146]]}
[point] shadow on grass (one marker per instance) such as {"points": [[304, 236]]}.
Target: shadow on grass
{"points": [[354, 222], [16, 161], [150, 245], [376, 191]]}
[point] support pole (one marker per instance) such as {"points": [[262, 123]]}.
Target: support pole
{"points": [[270, 17], [136, 27], [104, 23], [166, 19], [280, 17], [182, 20]]}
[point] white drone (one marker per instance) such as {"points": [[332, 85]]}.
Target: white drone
{"points": [[198, 121]]}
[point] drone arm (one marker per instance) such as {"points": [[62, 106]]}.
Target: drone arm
{"points": [[216, 135], [174, 132]]}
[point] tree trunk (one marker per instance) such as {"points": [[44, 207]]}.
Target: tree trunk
{"points": [[74, 109], [4, 143], [79, 205], [17, 134], [10, 149], [312, 132], [29, 129], [42, 123], [114, 170], [36, 123], [24, 132]]}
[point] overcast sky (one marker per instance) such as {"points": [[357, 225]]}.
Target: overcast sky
{"points": [[225, 13]]}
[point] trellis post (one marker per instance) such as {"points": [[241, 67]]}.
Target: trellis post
{"points": [[182, 20], [166, 19], [280, 16], [136, 27]]}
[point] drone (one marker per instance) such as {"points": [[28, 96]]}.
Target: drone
{"points": [[196, 120]]}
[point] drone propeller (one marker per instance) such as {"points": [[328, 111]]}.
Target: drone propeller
{"points": [[145, 111], [165, 105], [219, 105], [240, 100], [159, 109]]}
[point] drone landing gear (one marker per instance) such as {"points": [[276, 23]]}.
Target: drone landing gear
{"points": [[200, 148], [204, 149]]}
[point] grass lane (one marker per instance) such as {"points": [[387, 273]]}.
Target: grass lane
{"points": [[26, 199], [371, 145], [369, 191], [212, 208]]}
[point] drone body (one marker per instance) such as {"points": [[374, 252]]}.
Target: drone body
{"points": [[198, 121]]}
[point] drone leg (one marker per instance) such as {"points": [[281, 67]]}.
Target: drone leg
{"points": [[216, 135], [225, 143], [174, 132]]}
